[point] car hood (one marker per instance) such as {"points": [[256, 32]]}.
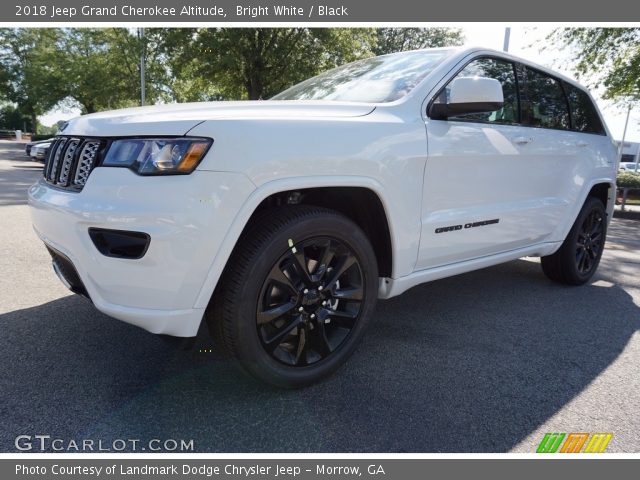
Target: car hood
{"points": [[178, 119]]}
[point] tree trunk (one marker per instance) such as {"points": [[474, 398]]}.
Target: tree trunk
{"points": [[89, 107], [255, 89], [34, 122]]}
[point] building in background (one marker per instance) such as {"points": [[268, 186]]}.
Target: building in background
{"points": [[630, 156]]}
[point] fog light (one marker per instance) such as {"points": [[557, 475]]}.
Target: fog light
{"points": [[120, 243]]}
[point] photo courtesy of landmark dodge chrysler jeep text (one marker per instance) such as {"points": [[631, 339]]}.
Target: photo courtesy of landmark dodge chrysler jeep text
{"points": [[281, 222]]}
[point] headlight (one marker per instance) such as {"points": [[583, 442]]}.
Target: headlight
{"points": [[157, 156]]}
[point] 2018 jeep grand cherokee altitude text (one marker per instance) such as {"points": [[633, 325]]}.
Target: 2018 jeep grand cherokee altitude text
{"points": [[281, 222]]}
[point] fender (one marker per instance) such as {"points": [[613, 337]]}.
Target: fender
{"points": [[282, 185]]}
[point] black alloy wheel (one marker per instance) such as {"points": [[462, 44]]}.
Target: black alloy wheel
{"points": [[296, 296], [590, 242], [310, 301]]}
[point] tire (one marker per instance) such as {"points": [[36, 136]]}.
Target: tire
{"points": [[579, 256], [266, 291]]}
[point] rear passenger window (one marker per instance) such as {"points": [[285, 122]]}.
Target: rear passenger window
{"points": [[504, 72], [584, 116], [545, 104]]}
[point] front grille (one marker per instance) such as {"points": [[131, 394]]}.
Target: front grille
{"points": [[71, 160]]}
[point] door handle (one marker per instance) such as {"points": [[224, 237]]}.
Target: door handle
{"points": [[522, 140], [582, 143]]}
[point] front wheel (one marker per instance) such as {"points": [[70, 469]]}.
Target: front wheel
{"points": [[296, 296], [579, 256]]}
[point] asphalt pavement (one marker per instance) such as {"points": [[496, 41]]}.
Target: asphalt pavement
{"points": [[483, 362]]}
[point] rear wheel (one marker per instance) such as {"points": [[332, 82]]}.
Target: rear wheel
{"points": [[296, 296], [579, 256]]}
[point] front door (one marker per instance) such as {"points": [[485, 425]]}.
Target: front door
{"points": [[491, 184]]}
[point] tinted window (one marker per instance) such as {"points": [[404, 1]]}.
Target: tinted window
{"points": [[378, 79], [545, 105], [584, 116], [504, 72]]}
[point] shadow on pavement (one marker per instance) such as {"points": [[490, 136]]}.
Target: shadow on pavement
{"points": [[628, 214], [472, 363]]}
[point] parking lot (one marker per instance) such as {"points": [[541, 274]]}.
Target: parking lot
{"points": [[483, 362]]}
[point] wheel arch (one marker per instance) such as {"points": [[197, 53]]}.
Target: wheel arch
{"points": [[605, 192], [601, 188], [318, 191]]}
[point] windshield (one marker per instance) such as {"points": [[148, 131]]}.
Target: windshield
{"points": [[373, 80]]}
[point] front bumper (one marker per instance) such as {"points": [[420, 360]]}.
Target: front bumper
{"points": [[186, 217]]}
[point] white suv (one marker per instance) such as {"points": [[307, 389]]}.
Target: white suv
{"points": [[281, 222]]}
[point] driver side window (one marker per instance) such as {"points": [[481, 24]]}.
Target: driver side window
{"points": [[504, 72]]}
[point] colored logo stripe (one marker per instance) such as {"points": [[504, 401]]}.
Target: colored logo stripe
{"points": [[598, 442], [574, 442], [550, 443]]}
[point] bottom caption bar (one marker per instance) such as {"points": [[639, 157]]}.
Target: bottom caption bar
{"points": [[396, 468]]}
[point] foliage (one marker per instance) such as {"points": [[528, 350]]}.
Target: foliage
{"points": [[43, 136], [606, 56], [30, 60], [47, 132], [260, 62], [628, 180], [253, 63], [182, 58], [389, 40], [11, 118], [4, 81], [101, 67], [98, 69]]}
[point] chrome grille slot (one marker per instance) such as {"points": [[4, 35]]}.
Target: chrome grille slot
{"points": [[71, 161], [86, 162], [55, 160], [67, 162]]}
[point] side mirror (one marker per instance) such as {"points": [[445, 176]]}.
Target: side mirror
{"points": [[468, 95]]}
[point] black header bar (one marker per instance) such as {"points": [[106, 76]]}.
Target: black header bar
{"points": [[313, 11]]}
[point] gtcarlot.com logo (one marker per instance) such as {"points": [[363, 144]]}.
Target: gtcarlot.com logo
{"points": [[45, 443], [573, 442]]}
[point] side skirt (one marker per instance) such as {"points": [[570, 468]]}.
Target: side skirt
{"points": [[390, 287]]}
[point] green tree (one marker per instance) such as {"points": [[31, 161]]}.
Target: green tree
{"points": [[390, 40], [257, 63], [607, 57], [11, 118], [182, 60], [4, 82], [95, 68], [93, 81], [102, 67], [29, 59], [98, 69]]}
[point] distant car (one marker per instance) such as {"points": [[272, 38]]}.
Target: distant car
{"points": [[628, 166], [30, 145], [40, 151]]}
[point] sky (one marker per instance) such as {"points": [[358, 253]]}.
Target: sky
{"points": [[524, 42]]}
